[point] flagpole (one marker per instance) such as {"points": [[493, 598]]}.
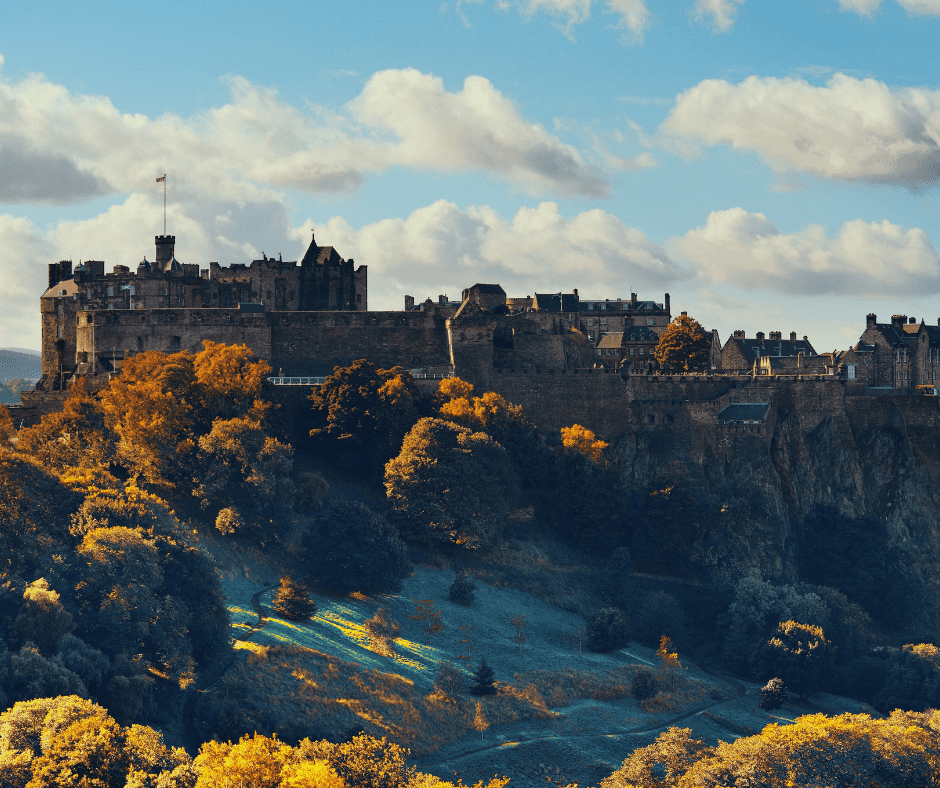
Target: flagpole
{"points": [[164, 200]]}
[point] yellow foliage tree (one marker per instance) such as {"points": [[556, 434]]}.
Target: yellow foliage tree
{"points": [[230, 379], [684, 344], [257, 761], [582, 441], [7, 430]]}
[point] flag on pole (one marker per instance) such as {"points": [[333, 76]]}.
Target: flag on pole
{"points": [[162, 179]]}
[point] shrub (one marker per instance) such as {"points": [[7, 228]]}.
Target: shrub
{"points": [[229, 520], [461, 590], [310, 491], [382, 629], [607, 630], [772, 695], [293, 601], [643, 685], [450, 680]]}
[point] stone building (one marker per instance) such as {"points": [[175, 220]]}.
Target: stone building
{"points": [[741, 353], [901, 355]]}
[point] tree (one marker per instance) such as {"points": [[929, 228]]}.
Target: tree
{"points": [[798, 653], [519, 625], [461, 590], [450, 680], [42, 618], [480, 722], [607, 630], [351, 548], [258, 761], [292, 600], [669, 665], [7, 430], [773, 695], [427, 616], [643, 685], [229, 380], [661, 764], [684, 344], [581, 440], [453, 485], [483, 680], [361, 413]]}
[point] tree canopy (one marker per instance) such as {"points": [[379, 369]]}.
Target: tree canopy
{"points": [[684, 344]]}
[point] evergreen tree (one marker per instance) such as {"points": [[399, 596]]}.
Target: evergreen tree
{"points": [[483, 680], [293, 601]]}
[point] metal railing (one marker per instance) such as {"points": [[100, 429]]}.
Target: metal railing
{"points": [[308, 381]]}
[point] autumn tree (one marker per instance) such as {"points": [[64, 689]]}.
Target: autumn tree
{"points": [[149, 408], [427, 617], [480, 722], [684, 344], [661, 764], [797, 653], [364, 762], [450, 680], [229, 379], [7, 430], [669, 664], [773, 695], [452, 485], [519, 637], [382, 629], [258, 761], [582, 441]]}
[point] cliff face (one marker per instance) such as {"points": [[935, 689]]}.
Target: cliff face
{"points": [[767, 496]]}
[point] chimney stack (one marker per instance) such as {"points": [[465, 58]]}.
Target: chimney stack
{"points": [[760, 336], [409, 303], [793, 336], [871, 320]]}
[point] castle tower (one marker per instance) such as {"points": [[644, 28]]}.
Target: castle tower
{"points": [[166, 245]]}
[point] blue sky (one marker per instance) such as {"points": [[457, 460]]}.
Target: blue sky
{"points": [[774, 166]]}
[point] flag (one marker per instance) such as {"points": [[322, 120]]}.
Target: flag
{"points": [[161, 179]]}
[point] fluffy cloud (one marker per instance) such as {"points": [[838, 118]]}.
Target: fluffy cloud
{"points": [[24, 277], [721, 13], [443, 249], [913, 7], [633, 17], [851, 129], [60, 147], [745, 250]]}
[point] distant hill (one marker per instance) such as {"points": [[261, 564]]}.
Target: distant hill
{"points": [[19, 364]]}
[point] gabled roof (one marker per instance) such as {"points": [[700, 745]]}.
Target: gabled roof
{"points": [[320, 255], [614, 339], [66, 287], [743, 412], [771, 347]]}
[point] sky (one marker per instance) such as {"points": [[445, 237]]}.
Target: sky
{"points": [[773, 166]]}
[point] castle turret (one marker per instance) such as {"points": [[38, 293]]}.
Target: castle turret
{"points": [[166, 246]]}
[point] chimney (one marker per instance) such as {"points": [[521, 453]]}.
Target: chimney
{"points": [[898, 321], [166, 245], [912, 320], [871, 320], [633, 300], [575, 293], [55, 275], [776, 335], [793, 336], [409, 303], [685, 314], [440, 300], [666, 305], [739, 334], [760, 336]]}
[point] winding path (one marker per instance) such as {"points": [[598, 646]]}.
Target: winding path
{"points": [[206, 680], [740, 692]]}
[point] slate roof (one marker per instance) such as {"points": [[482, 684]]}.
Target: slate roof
{"points": [[641, 334], [743, 412], [613, 339], [320, 255], [772, 347], [555, 302], [488, 289], [66, 287]]}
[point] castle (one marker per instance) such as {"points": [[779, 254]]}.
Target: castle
{"points": [[564, 358]]}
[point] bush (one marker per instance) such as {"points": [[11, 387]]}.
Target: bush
{"points": [[450, 680], [461, 590], [229, 520], [772, 695], [293, 601], [643, 685], [382, 629], [607, 630]]}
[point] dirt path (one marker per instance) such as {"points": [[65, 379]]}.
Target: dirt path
{"points": [[205, 682], [740, 691]]}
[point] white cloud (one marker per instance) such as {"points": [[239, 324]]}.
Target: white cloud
{"points": [[443, 249], [745, 250], [721, 13], [59, 147], [24, 276], [851, 129], [633, 17], [861, 7], [913, 7]]}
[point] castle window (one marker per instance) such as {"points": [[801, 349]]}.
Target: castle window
{"points": [[649, 321], [641, 351], [88, 293], [631, 351], [599, 352], [110, 290], [617, 351], [899, 375], [60, 331], [905, 376]]}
